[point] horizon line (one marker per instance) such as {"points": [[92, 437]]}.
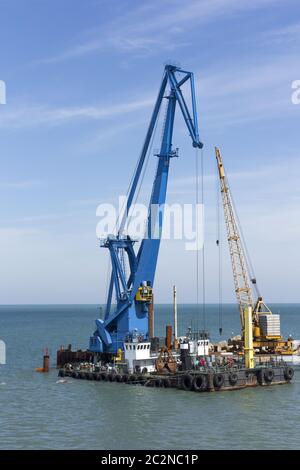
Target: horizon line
{"points": [[158, 303]]}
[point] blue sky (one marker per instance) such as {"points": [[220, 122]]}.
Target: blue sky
{"points": [[81, 78]]}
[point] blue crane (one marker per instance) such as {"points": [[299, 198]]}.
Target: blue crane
{"points": [[133, 290]]}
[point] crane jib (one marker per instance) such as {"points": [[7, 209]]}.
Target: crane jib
{"points": [[132, 292]]}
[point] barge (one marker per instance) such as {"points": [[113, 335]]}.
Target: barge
{"points": [[122, 347], [190, 367]]}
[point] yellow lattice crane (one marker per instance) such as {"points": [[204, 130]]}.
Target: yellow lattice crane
{"points": [[243, 281]]}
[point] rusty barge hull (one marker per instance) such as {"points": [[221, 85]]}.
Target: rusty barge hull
{"points": [[204, 381]]}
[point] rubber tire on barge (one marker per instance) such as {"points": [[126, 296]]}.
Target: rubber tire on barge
{"points": [[233, 378], [288, 373], [269, 375], [200, 383], [218, 380], [187, 382]]}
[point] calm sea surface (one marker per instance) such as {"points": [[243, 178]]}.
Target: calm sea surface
{"points": [[36, 412]]}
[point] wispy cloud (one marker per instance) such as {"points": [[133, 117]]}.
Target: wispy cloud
{"points": [[249, 177], [44, 217], [27, 184], [27, 116], [248, 76], [9, 233], [288, 33], [187, 184], [253, 90], [94, 202], [260, 89], [155, 27]]}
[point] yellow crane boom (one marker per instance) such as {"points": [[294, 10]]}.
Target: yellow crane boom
{"points": [[260, 328], [238, 261]]}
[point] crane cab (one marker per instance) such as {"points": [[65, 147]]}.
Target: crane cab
{"points": [[144, 293]]}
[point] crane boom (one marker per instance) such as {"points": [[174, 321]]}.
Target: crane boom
{"points": [[130, 295], [238, 260], [242, 275]]}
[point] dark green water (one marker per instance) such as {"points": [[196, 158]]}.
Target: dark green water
{"points": [[38, 413]]}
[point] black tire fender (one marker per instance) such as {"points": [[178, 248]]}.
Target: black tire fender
{"points": [[288, 373], [187, 382], [268, 375], [218, 380], [199, 382], [233, 378]]}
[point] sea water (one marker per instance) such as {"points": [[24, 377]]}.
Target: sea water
{"points": [[37, 411]]}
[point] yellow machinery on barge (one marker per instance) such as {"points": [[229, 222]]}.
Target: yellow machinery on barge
{"points": [[265, 325]]}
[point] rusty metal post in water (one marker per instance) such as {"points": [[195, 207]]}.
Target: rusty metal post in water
{"points": [[46, 361]]}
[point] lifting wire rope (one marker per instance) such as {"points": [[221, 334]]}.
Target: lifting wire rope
{"points": [[198, 199], [197, 223], [219, 246], [203, 248], [246, 251]]}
